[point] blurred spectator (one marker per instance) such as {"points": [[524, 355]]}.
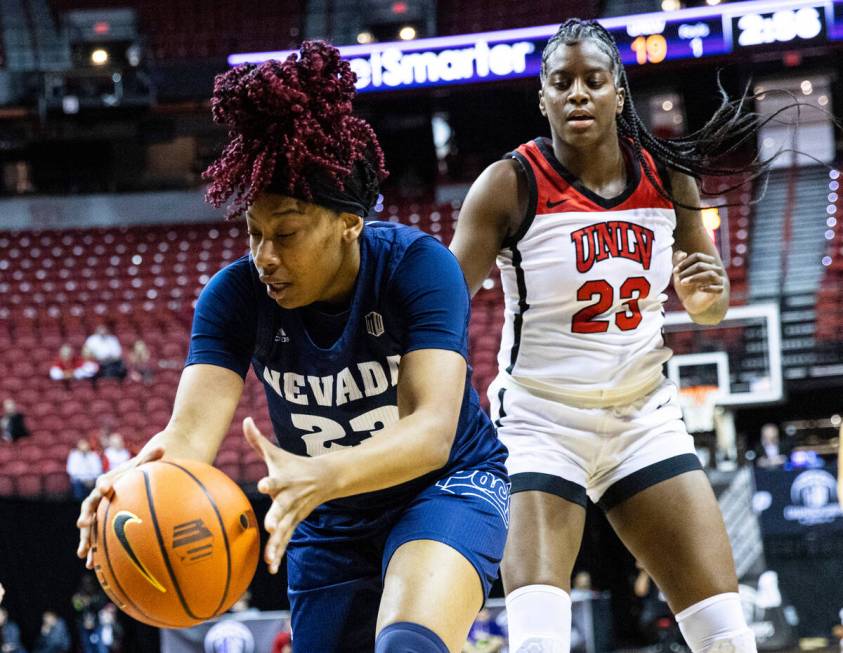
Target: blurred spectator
{"points": [[87, 603], [653, 616], [837, 629], [109, 631], [140, 367], [89, 367], [66, 366], [106, 350], [116, 452], [840, 484], [770, 452], [2, 592], [283, 642], [54, 636], [9, 634], [582, 581], [12, 423], [485, 635], [243, 604], [83, 467]]}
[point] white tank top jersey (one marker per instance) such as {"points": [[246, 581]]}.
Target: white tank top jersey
{"points": [[584, 281]]}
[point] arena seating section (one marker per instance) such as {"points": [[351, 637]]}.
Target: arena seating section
{"points": [[830, 296], [193, 29], [464, 16], [58, 285]]}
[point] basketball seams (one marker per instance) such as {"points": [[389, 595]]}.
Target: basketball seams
{"points": [[163, 550], [128, 599], [222, 529]]}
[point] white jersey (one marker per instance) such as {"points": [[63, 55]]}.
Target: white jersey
{"points": [[584, 282]]}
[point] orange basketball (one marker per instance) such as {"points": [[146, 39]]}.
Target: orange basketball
{"points": [[177, 544]]}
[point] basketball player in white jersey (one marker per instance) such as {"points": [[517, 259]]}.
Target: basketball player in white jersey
{"points": [[589, 227]]}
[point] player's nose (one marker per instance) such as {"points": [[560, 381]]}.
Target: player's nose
{"points": [[266, 257]]}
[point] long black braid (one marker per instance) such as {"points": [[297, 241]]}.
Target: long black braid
{"points": [[699, 154]]}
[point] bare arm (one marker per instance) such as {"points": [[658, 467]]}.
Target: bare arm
{"points": [[420, 442], [496, 202], [205, 402], [699, 277]]}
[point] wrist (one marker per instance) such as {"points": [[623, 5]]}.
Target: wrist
{"points": [[332, 476]]}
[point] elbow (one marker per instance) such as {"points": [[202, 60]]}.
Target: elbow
{"points": [[439, 441]]}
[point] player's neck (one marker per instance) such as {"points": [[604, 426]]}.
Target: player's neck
{"points": [[599, 166]]}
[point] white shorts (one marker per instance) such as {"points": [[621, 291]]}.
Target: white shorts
{"points": [[605, 454]]}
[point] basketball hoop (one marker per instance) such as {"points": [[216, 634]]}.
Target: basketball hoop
{"points": [[698, 403]]}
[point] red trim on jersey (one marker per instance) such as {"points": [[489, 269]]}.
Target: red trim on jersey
{"points": [[559, 191]]}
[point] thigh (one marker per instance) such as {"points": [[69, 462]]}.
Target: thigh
{"points": [[544, 539], [442, 555], [552, 447], [676, 531], [432, 584], [334, 591]]}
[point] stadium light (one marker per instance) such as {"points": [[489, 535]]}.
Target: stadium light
{"points": [[712, 3], [365, 37], [99, 57], [407, 33], [671, 5]]}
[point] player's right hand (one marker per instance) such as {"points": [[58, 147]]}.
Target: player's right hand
{"points": [[104, 488]]}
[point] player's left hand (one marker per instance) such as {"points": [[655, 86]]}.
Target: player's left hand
{"points": [[296, 484], [699, 280]]}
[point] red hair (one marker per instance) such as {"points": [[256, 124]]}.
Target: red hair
{"points": [[288, 120]]}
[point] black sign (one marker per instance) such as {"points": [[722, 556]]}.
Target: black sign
{"points": [[797, 501]]}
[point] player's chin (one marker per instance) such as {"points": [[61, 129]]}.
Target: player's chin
{"points": [[287, 298], [581, 136]]}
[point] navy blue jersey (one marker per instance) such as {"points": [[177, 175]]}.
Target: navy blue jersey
{"points": [[409, 294]]}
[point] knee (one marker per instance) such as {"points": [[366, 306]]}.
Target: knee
{"points": [[515, 577], [406, 637], [716, 624]]}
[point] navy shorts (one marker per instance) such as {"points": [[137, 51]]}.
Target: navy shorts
{"points": [[335, 570]]}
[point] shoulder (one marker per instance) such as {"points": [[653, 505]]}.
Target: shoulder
{"points": [[389, 241], [499, 198], [238, 278], [503, 176], [390, 234]]}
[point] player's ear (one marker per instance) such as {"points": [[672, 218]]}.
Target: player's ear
{"points": [[542, 108], [352, 225], [621, 100]]}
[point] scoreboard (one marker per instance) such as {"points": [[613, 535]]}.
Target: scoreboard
{"points": [[642, 39], [653, 38]]}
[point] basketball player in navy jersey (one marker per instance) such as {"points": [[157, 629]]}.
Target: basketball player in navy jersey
{"points": [[390, 495], [588, 227]]}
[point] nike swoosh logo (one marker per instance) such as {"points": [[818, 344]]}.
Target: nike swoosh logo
{"points": [[551, 205], [121, 520]]}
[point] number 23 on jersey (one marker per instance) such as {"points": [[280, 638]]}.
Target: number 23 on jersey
{"points": [[630, 293]]}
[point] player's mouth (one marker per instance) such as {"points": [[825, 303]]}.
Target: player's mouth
{"points": [[580, 120], [276, 290]]}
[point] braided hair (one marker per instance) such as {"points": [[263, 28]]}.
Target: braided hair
{"points": [[699, 154], [290, 126]]}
